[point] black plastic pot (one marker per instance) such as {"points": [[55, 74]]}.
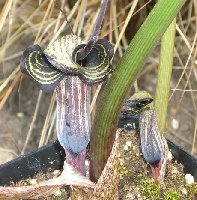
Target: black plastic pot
{"points": [[46, 158], [52, 157]]}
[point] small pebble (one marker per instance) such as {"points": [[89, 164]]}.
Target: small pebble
{"points": [[169, 156], [87, 162], [189, 178], [128, 143], [57, 193], [126, 147], [195, 62], [121, 161], [129, 196], [175, 124], [184, 191], [32, 181], [20, 114], [56, 172], [174, 170]]}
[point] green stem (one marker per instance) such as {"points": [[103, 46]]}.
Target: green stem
{"points": [[164, 75], [113, 94]]}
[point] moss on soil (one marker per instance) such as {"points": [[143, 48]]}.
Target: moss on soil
{"points": [[135, 181]]}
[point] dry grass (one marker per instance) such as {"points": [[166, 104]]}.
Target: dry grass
{"points": [[23, 23]]}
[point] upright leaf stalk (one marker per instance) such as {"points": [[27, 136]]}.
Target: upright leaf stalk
{"points": [[164, 75]]}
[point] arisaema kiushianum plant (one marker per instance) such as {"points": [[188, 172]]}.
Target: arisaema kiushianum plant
{"points": [[153, 145], [70, 66]]}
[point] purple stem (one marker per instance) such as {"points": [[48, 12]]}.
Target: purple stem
{"points": [[73, 119], [156, 169], [76, 160], [99, 21]]}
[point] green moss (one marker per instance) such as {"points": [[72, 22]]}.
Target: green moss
{"points": [[171, 195], [124, 171], [150, 189], [134, 172], [193, 188], [139, 177], [192, 191]]}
